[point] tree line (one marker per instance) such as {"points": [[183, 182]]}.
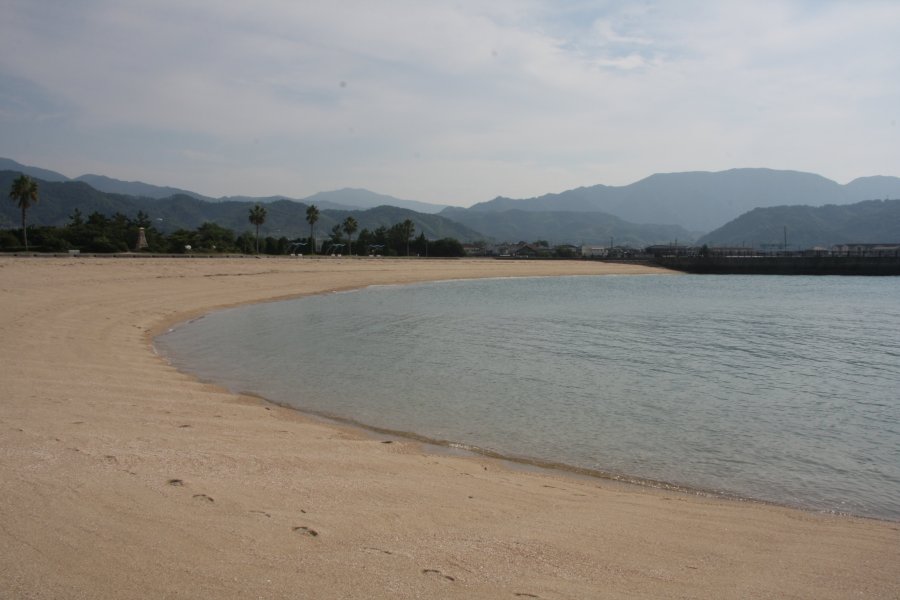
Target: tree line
{"points": [[99, 233]]}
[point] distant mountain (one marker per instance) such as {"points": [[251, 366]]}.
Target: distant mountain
{"points": [[559, 227], [134, 188], [433, 226], [688, 203], [347, 199], [321, 204], [871, 221], [877, 187], [7, 164], [358, 198], [344, 199], [100, 182], [701, 201], [59, 200]]}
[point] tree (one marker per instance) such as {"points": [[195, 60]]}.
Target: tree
{"points": [[257, 217], [277, 245], [408, 228], [181, 241], [350, 226], [78, 219], [212, 237], [312, 215], [334, 241], [24, 192], [446, 247], [142, 220]]}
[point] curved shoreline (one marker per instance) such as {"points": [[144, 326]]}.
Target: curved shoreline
{"points": [[122, 477], [473, 449], [341, 421], [536, 463], [539, 464]]}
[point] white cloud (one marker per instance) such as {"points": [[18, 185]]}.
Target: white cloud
{"points": [[449, 101]]}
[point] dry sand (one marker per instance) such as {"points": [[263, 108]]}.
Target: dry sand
{"points": [[122, 478]]}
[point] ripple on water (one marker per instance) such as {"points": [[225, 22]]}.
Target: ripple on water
{"points": [[776, 388]]}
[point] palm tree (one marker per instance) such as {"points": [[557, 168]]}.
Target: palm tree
{"points": [[408, 228], [350, 226], [312, 215], [24, 191], [257, 217]]}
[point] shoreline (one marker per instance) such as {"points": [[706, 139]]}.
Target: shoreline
{"points": [[451, 445], [526, 462], [120, 476]]}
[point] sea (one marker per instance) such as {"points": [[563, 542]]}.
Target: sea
{"points": [[776, 389]]}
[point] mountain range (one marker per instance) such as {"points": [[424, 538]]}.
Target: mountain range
{"points": [[344, 199], [59, 200], [703, 201], [871, 221], [662, 208], [565, 227]]}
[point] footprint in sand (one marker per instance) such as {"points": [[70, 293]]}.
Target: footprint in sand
{"points": [[203, 497], [438, 574], [175, 482], [307, 531]]}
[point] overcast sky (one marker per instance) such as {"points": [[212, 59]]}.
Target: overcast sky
{"points": [[446, 102]]}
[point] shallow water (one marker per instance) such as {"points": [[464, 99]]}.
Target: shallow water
{"points": [[785, 389]]}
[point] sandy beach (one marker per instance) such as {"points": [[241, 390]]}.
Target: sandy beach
{"points": [[122, 478]]}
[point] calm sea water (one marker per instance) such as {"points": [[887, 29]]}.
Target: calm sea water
{"points": [[785, 389]]}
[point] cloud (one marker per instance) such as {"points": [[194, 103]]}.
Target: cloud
{"points": [[451, 102]]}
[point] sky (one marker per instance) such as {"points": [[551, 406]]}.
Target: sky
{"points": [[446, 102]]}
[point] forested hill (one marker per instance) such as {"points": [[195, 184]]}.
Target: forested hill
{"points": [[59, 200], [873, 221], [567, 227]]}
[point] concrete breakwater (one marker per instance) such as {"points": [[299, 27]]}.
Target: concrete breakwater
{"points": [[783, 265]]}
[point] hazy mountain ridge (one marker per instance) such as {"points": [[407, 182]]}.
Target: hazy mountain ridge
{"points": [[566, 227], [702, 201], [134, 188], [870, 221], [346, 199], [658, 209], [360, 198], [343, 199], [59, 200], [7, 164]]}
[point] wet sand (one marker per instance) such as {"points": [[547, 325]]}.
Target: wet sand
{"points": [[123, 478]]}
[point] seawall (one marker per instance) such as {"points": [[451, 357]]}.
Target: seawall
{"points": [[783, 265]]}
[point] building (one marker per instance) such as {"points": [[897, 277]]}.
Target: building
{"points": [[594, 251], [884, 249]]}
